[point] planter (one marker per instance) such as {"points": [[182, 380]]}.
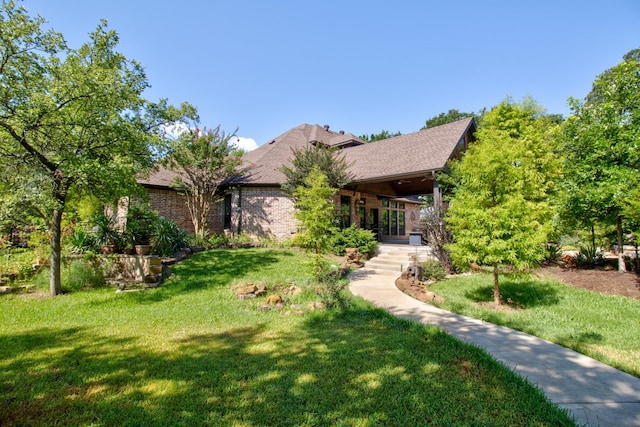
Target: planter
{"points": [[143, 249]]}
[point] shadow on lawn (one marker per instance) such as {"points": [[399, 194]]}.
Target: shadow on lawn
{"points": [[519, 293], [357, 367], [213, 268]]}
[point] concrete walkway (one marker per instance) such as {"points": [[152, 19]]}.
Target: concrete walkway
{"points": [[595, 394]]}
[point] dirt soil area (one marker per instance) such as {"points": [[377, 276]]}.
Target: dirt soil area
{"points": [[597, 280]]}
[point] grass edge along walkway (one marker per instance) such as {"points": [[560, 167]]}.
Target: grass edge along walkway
{"points": [[593, 392]]}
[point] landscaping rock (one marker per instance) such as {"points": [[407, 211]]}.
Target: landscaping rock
{"points": [[275, 299], [6, 289], [315, 305], [293, 290], [260, 291], [353, 258]]}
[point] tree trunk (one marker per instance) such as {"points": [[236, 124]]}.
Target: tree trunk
{"points": [[55, 284], [496, 286], [621, 265]]}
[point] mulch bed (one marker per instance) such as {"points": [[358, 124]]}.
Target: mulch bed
{"points": [[597, 280]]}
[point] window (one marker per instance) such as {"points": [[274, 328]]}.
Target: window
{"points": [[361, 215], [393, 218]]}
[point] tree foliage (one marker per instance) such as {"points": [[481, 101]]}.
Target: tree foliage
{"points": [[204, 159], [450, 116], [384, 134], [600, 141], [316, 211], [330, 162], [71, 120], [499, 213]]}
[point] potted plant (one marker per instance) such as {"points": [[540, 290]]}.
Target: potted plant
{"points": [[140, 225], [105, 234]]}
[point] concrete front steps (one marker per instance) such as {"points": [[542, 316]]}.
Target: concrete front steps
{"points": [[393, 258]]}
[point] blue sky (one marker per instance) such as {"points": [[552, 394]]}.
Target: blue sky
{"points": [[359, 66]]}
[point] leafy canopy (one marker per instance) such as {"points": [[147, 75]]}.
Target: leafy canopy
{"points": [[204, 160], [499, 213], [601, 141], [328, 161], [71, 120]]}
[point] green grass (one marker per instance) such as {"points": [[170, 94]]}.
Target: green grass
{"points": [[191, 353], [604, 327]]}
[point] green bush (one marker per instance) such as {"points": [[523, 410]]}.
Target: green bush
{"points": [[167, 238], [433, 270], [76, 275], [354, 237], [80, 241]]}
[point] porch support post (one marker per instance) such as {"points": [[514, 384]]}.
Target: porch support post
{"points": [[437, 195]]}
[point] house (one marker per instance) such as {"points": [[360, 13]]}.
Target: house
{"points": [[387, 175]]}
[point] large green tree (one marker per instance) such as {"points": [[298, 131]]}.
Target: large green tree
{"points": [[601, 142], [71, 120], [204, 159], [499, 212]]}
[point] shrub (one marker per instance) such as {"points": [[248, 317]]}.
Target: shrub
{"points": [[167, 238], [354, 237], [141, 223], [80, 241], [332, 285], [77, 275], [433, 270]]}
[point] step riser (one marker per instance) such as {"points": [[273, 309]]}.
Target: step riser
{"points": [[393, 259]]}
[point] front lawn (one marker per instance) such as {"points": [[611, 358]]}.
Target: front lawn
{"points": [[192, 353], [604, 327]]}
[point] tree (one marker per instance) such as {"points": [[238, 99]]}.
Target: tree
{"points": [[449, 117], [600, 141], [499, 213], [316, 212], [71, 120], [205, 159], [384, 134], [329, 161]]}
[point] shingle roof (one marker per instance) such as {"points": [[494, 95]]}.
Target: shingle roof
{"points": [[160, 177], [411, 154], [423, 151]]}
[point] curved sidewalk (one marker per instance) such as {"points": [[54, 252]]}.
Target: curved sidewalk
{"points": [[595, 394]]}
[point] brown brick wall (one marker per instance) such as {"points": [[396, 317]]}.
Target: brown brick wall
{"points": [[173, 206], [264, 212]]}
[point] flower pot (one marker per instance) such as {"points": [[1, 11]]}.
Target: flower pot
{"points": [[143, 249], [108, 249]]}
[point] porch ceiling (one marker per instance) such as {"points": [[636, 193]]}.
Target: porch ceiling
{"points": [[397, 187]]}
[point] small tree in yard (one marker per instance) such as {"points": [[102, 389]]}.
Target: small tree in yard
{"points": [[499, 212], [316, 213], [204, 159]]}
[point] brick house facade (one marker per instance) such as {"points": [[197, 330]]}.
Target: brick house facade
{"points": [[387, 175]]}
